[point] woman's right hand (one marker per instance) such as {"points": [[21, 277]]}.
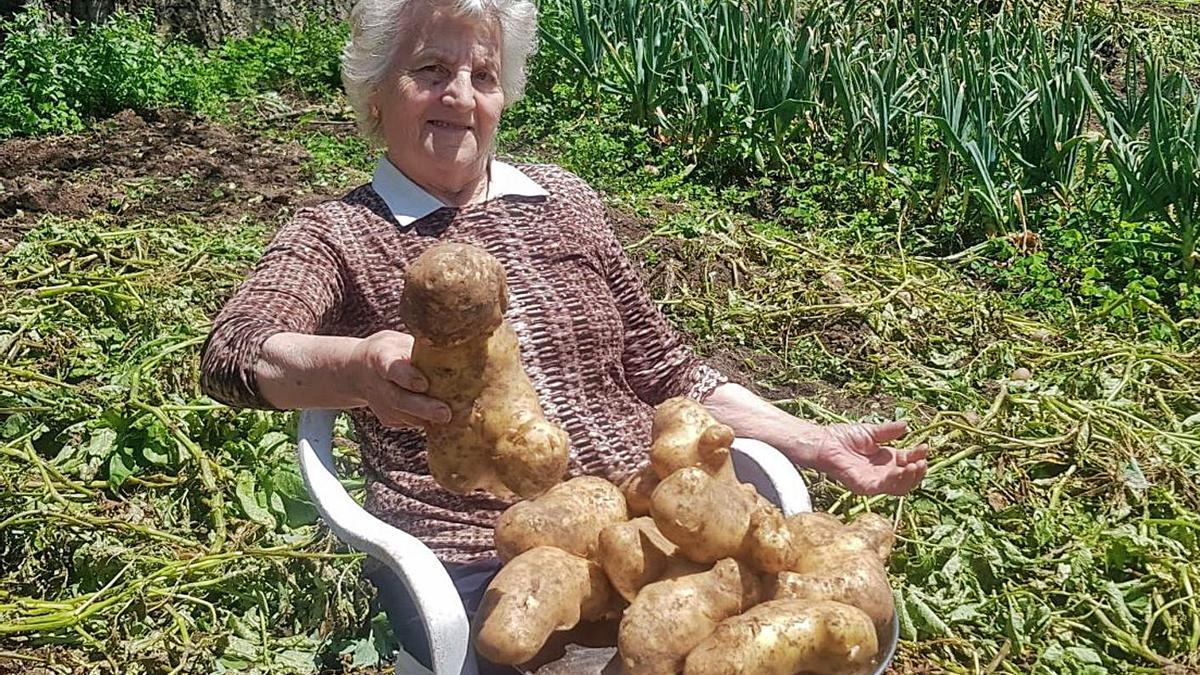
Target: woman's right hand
{"points": [[391, 386]]}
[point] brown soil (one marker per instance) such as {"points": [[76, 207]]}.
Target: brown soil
{"points": [[157, 164]]}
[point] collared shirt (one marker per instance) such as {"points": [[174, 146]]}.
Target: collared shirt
{"points": [[409, 201]]}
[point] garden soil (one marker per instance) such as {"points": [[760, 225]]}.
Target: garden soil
{"points": [[155, 164]]}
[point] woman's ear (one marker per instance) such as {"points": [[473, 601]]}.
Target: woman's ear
{"points": [[373, 104]]}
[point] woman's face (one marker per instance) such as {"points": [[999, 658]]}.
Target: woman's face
{"points": [[440, 109]]}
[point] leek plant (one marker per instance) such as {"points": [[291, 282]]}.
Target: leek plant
{"points": [[1154, 144], [1008, 96]]}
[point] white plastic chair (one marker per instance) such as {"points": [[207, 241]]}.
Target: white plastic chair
{"points": [[426, 580]]}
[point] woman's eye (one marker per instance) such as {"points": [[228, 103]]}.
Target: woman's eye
{"points": [[485, 76]]}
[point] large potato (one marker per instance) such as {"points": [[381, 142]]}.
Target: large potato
{"points": [[705, 517], [569, 516], [497, 439], [669, 618], [785, 637], [842, 563], [541, 591], [710, 518]]}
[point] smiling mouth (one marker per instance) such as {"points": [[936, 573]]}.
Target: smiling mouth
{"points": [[451, 126]]}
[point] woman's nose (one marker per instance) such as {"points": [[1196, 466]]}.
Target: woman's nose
{"points": [[459, 92]]}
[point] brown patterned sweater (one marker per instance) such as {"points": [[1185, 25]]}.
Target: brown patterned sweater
{"points": [[598, 350]]}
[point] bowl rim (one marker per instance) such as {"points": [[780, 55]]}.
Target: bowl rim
{"points": [[888, 651]]}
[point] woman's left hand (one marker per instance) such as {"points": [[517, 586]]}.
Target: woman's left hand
{"points": [[859, 457]]}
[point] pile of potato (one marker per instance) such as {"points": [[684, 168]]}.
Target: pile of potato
{"points": [[705, 575], [713, 580]]}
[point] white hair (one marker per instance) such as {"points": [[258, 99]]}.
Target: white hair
{"points": [[376, 26]]}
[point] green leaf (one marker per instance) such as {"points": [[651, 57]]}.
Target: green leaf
{"points": [[908, 629], [362, 653], [15, 423], [160, 447], [1053, 654], [294, 661], [248, 626], [252, 500], [1085, 654], [925, 617], [120, 467], [239, 653], [101, 442], [270, 441], [289, 498], [964, 613], [288, 483]]}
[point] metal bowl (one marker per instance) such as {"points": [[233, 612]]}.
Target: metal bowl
{"points": [[888, 642]]}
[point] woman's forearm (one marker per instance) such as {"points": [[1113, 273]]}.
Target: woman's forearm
{"points": [[296, 371], [752, 417]]}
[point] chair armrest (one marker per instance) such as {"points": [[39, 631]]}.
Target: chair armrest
{"points": [[772, 474], [424, 576]]}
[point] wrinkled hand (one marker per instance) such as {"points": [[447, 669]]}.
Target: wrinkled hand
{"points": [[859, 457], [390, 385]]}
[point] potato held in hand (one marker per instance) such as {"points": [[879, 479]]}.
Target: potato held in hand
{"points": [[537, 593], [569, 516], [784, 637], [498, 438]]}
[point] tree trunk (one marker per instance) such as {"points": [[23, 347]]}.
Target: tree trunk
{"points": [[208, 21]]}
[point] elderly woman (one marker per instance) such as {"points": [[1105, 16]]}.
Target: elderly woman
{"points": [[316, 323]]}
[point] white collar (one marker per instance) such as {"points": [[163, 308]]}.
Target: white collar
{"points": [[409, 202]]}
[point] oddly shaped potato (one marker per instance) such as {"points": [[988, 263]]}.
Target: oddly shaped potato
{"points": [[869, 533], [537, 593], [634, 553], [709, 518], [686, 435], [784, 637], [569, 516], [498, 438], [841, 563], [770, 545], [706, 517], [669, 618], [862, 584]]}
